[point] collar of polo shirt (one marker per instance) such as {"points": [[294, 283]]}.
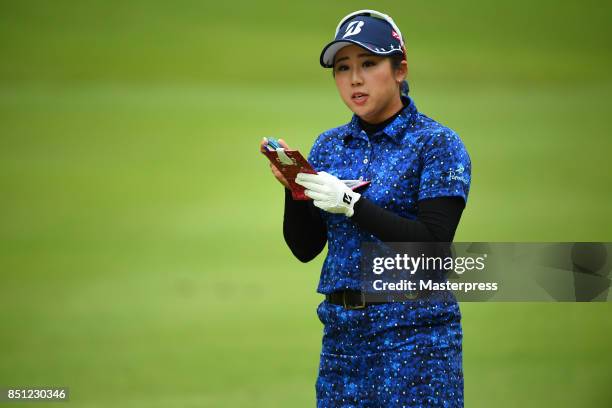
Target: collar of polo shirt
{"points": [[393, 130]]}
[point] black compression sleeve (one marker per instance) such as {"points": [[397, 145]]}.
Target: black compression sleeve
{"points": [[303, 228], [437, 220]]}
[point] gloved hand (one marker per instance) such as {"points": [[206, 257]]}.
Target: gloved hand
{"points": [[328, 192]]}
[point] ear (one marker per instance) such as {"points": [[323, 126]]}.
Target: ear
{"points": [[401, 72]]}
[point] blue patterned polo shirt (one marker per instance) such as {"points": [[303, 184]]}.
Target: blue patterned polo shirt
{"points": [[411, 159]]}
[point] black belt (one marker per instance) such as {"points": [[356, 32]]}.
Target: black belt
{"points": [[356, 299]]}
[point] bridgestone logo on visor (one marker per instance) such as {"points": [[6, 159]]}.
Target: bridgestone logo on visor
{"points": [[353, 28]]}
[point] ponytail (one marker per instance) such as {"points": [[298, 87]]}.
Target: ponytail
{"points": [[404, 89]]}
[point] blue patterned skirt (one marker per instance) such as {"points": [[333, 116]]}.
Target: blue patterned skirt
{"points": [[391, 355]]}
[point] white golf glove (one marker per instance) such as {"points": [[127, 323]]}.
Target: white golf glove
{"points": [[328, 192]]}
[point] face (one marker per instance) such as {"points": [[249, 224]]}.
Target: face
{"points": [[367, 84]]}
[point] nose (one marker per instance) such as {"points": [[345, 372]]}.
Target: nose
{"points": [[356, 78]]}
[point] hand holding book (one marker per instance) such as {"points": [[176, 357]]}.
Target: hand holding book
{"points": [[286, 164]]}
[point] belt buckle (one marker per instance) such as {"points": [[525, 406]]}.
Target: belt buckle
{"points": [[362, 305]]}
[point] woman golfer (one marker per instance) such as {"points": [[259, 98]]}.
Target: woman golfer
{"points": [[379, 354]]}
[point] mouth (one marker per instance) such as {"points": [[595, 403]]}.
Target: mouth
{"points": [[359, 97]]}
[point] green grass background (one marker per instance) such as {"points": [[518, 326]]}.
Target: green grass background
{"points": [[142, 262]]}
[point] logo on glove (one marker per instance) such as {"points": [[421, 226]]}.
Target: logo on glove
{"points": [[347, 198]]}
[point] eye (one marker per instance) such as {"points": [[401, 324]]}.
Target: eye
{"points": [[341, 67], [368, 63]]}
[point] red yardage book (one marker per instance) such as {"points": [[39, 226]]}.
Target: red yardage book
{"points": [[291, 162]]}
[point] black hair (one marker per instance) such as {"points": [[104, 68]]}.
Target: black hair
{"points": [[396, 61]]}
